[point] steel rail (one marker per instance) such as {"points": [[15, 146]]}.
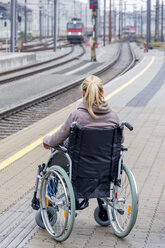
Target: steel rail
{"points": [[37, 64], [28, 74], [6, 117]]}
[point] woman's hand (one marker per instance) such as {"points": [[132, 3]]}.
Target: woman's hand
{"points": [[46, 146]]}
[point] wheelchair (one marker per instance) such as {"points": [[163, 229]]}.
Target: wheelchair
{"points": [[90, 167]]}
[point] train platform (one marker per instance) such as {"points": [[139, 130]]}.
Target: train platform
{"points": [[138, 97], [15, 60], [11, 61], [28, 89]]}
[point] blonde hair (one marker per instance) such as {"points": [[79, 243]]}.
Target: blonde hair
{"points": [[93, 88]]}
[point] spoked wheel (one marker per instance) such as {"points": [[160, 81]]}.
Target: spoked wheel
{"points": [[57, 192], [124, 205]]}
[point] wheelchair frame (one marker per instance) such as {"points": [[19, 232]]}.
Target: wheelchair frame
{"points": [[113, 211]]}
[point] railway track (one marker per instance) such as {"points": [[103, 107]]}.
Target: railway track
{"points": [[22, 116], [37, 64], [24, 72], [38, 46], [48, 45]]}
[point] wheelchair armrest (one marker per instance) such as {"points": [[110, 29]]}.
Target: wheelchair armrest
{"points": [[59, 148], [123, 148]]}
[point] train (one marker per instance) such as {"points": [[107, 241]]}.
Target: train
{"points": [[129, 30], [75, 31]]}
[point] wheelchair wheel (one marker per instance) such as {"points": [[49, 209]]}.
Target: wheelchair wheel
{"points": [[51, 214], [57, 192], [102, 220], [124, 207]]}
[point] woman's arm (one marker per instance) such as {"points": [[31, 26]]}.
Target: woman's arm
{"points": [[63, 133]]}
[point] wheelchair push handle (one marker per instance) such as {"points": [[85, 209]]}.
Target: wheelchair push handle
{"points": [[128, 125]]}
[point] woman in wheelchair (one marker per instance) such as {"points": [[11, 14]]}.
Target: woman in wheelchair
{"points": [[89, 166], [93, 112]]}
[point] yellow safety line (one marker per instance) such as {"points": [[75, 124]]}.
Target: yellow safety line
{"points": [[25, 150], [130, 81], [38, 142]]}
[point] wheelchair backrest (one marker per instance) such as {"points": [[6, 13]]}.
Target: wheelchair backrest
{"points": [[95, 154]]}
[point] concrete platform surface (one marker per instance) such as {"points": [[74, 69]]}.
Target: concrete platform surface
{"points": [[11, 61], [138, 97]]}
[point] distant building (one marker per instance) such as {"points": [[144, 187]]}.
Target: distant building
{"points": [[5, 19]]}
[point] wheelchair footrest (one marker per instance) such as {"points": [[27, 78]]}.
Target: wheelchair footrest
{"points": [[81, 204], [35, 203], [120, 211]]}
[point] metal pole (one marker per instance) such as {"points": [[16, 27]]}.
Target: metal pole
{"points": [[121, 28], [74, 8], [80, 7], [86, 20], [141, 24], [162, 22], [45, 21], [110, 23], [119, 18], [52, 19], [148, 24], [97, 26], [164, 45], [113, 18], [125, 7], [25, 32], [93, 53], [40, 21], [55, 5], [135, 17], [16, 23], [114, 21], [58, 18], [157, 21], [13, 17], [48, 9], [104, 20]]}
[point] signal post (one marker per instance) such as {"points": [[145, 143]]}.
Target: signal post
{"points": [[93, 6]]}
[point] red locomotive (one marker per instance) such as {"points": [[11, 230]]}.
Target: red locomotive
{"points": [[75, 31]]}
